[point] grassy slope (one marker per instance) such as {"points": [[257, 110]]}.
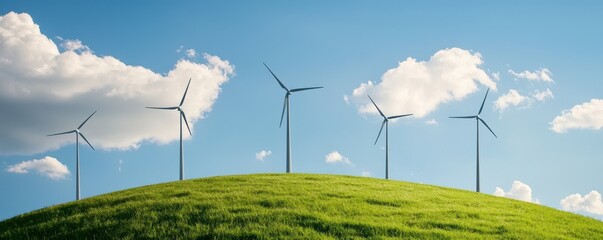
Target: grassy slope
{"points": [[298, 206]]}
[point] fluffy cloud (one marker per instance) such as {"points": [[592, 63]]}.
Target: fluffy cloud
{"points": [[335, 157], [74, 45], [43, 90], [48, 166], [418, 87], [346, 99], [496, 76], [588, 115], [542, 74], [590, 203], [542, 96], [514, 99], [431, 122], [511, 98], [191, 53], [262, 154], [519, 191]]}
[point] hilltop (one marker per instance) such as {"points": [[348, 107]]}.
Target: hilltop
{"points": [[268, 206]]}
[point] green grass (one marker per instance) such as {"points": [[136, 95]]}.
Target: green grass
{"points": [[298, 206]]}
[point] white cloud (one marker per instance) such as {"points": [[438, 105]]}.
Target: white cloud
{"points": [[514, 99], [588, 115], [590, 203], [542, 96], [346, 99], [47, 91], [48, 166], [431, 122], [366, 174], [191, 53], [335, 157], [419, 87], [262, 154], [519, 191], [74, 45], [511, 98], [542, 74], [120, 163], [496, 76]]}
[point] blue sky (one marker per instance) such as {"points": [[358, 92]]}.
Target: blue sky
{"points": [[434, 59]]}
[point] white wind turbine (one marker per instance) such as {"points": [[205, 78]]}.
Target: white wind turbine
{"points": [[477, 120], [77, 152], [182, 116], [286, 106], [386, 123]]}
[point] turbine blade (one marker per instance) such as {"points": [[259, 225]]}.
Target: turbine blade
{"points": [[81, 125], [61, 133], [488, 127], [383, 115], [283, 114], [482, 107], [380, 130], [399, 116], [304, 89], [163, 108], [279, 81], [185, 91], [87, 141], [185, 121], [464, 117]]}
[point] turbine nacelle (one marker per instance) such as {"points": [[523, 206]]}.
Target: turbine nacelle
{"points": [[77, 131], [477, 116], [179, 107], [287, 94], [385, 118]]}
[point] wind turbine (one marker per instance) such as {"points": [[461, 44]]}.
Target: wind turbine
{"points": [[286, 106], [479, 119], [386, 123], [182, 116], [77, 152]]}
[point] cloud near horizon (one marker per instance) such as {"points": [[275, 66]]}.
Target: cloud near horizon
{"points": [[590, 203], [261, 155], [49, 167], [588, 115], [336, 157], [48, 91], [519, 191], [419, 87]]}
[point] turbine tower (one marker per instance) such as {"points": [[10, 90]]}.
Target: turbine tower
{"points": [[286, 106], [182, 116], [479, 119], [386, 123], [77, 152]]}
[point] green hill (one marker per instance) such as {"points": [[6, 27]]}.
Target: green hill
{"points": [[295, 206]]}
